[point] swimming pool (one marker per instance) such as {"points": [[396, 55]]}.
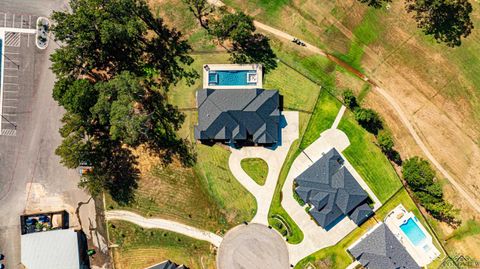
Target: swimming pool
{"points": [[413, 231], [232, 77]]}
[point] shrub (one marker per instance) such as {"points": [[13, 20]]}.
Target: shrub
{"points": [[420, 177], [385, 141], [369, 119], [350, 100]]}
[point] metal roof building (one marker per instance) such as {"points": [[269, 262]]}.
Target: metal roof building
{"points": [[53, 249], [380, 249], [332, 192], [238, 116]]}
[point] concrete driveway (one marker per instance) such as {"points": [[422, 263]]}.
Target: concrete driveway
{"points": [[274, 157], [315, 237]]}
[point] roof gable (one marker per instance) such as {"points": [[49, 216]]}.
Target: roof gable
{"points": [[382, 250], [244, 113], [329, 176]]}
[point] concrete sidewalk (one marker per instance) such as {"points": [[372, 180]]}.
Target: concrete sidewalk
{"points": [[165, 225]]}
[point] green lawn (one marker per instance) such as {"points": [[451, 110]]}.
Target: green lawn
{"points": [[256, 168], [298, 92], [322, 118], [365, 33], [276, 211], [139, 248], [234, 200], [368, 160], [336, 257]]}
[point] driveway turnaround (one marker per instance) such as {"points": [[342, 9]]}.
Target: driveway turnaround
{"points": [[252, 246], [165, 225], [274, 157]]}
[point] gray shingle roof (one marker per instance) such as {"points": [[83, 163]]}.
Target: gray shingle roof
{"points": [[167, 265], [332, 191], [238, 115], [382, 250]]}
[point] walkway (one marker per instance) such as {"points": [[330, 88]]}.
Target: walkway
{"points": [[165, 225], [274, 157], [315, 237]]}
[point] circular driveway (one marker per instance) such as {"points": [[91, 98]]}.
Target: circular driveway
{"points": [[252, 246]]}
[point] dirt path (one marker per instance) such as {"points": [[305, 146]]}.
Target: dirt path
{"points": [[393, 103], [474, 203], [164, 224]]}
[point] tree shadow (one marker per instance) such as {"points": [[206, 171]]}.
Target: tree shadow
{"points": [[255, 49]]}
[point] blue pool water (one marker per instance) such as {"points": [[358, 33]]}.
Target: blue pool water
{"points": [[229, 78], [413, 232]]}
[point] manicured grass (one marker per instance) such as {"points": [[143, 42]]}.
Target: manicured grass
{"points": [[139, 248], [233, 199], [368, 160], [315, 67], [276, 210], [256, 168], [297, 91], [322, 118], [337, 257]]}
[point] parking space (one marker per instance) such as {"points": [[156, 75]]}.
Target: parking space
{"points": [[17, 76], [11, 20]]}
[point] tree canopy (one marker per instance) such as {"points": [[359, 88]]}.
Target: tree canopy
{"points": [[236, 33], [350, 100], [115, 65], [369, 119], [246, 46], [385, 141], [420, 177], [446, 20]]}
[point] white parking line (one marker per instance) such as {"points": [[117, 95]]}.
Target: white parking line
{"points": [[8, 76], [11, 53], [8, 83], [10, 68], [10, 99]]}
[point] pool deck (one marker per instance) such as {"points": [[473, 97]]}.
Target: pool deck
{"points": [[398, 216], [234, 67]]}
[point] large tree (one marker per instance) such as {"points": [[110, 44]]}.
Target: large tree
{"points": [[236, 32], [369, 119], [115, 64], [446, 20], [201, 9]]}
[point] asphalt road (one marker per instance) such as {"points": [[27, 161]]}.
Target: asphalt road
{"points": [[29, 156]]}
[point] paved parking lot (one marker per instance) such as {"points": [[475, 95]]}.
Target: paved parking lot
{"points": [[18, 59], [17, 67], [17, 20]]}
